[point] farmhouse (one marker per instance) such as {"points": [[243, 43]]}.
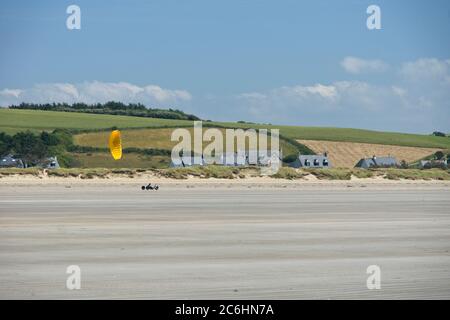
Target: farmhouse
{"points": [[427, 164], [311, 161], [9, 161], [381, 162], [50, 163]]}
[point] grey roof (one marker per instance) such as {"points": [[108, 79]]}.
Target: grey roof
{"points": [[49, 163], [11, 161], [377, 162], [311, 161], [52, 163]]}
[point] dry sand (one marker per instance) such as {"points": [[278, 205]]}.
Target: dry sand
{"points": [[261, 181]]}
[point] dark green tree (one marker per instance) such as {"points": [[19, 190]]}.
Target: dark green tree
{"points": [[29, 147], [5, 143], [49, 139]]}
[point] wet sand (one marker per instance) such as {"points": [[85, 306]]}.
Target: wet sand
{"points": [[224, 240]]}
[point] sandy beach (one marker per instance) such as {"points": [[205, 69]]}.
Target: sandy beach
{"points": [[258, 238], [308, 180]]}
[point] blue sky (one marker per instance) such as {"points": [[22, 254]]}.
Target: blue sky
{"points": [[294, 62]]}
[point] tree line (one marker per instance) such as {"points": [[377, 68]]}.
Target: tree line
{"points": [[111, 107]]}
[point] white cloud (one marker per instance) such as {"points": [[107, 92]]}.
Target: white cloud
{"points": [[252, 95], [318, 96], [95, 92], [415, 99], [356, 65], [10, 92], [399, 91], [426, 69], [421, 105], [327, 92]]}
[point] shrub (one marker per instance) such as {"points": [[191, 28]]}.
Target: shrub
{"points": [[288, 173], [439, 155], [331, 174], [404, 164], [290, 158]]}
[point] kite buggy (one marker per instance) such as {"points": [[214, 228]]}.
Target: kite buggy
{"points": [[150, 187]]}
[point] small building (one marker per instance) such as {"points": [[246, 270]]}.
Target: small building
{"points": [[52, 163], [49, 163], [9, 161], [377, 162], [427, 164], [311, 161]]}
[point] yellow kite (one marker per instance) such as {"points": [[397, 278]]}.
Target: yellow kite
{"points": [[115, 145]]}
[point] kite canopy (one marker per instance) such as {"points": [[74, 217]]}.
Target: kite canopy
{"points": [[115, 145]]}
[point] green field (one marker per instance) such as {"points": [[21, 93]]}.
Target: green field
{"points": [[354, 135], [12, 121], [153, 139]]}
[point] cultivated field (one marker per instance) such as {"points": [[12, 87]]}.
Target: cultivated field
{"points": [[347, 154]]}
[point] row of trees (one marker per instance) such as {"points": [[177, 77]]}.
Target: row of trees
{"points": [[112, 107], [32, 148]]}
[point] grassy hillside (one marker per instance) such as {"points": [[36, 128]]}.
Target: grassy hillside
{"points": [[354, 135], [12, 121], [151, 139]]}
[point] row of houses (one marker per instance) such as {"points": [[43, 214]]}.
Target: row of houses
{"points": [[10, 161], [264, 158], [248, 158], [322, 161], [302, 161]]}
